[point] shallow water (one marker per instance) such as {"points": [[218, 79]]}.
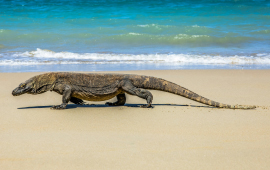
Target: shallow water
{"points": [[157, 34]]}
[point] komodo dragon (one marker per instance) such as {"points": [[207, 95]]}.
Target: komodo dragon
{"points": [[76, 87]]}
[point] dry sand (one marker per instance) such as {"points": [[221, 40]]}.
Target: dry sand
{"points": [[187, 135]]}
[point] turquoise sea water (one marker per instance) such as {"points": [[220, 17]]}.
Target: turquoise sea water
{"points": [[58, 35]]}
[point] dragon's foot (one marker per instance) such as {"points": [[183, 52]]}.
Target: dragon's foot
{"points": [[146, 106], [59, 107]]}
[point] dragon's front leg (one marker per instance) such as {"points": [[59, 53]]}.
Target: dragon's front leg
{"points": [[65, 99]]}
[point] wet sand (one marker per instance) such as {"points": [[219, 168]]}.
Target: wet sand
{"points": [[176, 134]]}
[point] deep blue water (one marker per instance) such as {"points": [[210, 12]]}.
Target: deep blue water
{"points": [[174, 34]]}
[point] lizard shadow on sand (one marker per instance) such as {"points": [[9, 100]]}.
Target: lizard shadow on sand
{"points": [[73, 106]]}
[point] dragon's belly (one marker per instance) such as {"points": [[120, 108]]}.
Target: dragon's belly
{"points": [[95, 97]]}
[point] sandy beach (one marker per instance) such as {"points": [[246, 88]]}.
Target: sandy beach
{"points": [[176, 134]]}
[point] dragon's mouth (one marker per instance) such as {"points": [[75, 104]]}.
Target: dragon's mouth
{"points": [[15, 94], [19, 91]]}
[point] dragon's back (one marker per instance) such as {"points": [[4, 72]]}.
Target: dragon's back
{"points": [[92, 80]]}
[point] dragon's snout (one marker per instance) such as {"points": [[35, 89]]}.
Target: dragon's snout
{"points": [[19, 91], [16, 92]]}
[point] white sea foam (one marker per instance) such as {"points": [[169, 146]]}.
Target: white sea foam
{"points": [[185, 36], [147, 25], [43, 57], [133, 33], [143, 25], [159, 27]]}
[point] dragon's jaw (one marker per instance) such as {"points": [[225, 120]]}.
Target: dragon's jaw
{"points": [[29, 90], [19, 91]]}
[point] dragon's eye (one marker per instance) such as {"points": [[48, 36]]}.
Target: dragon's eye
{"points": [[22, 86]]}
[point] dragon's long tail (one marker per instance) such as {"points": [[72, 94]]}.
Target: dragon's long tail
{"points": [[154, 83]]}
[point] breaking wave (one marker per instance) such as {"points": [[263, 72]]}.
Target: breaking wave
{"points": [[45, 57]]}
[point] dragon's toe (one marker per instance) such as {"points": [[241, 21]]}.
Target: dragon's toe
{"points": [[58, 107], [146, 106]]}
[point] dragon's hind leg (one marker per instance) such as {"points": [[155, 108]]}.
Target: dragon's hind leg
{"points": [[142, 93], [121, 100]]}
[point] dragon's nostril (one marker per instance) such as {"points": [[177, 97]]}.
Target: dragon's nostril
{"points": [[15, 92]]}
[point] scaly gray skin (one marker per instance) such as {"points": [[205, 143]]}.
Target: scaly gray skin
{"points": [[76, 87]]}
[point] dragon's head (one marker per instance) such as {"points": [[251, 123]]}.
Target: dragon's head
{"points": [[36, 85], [25, 87]]}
